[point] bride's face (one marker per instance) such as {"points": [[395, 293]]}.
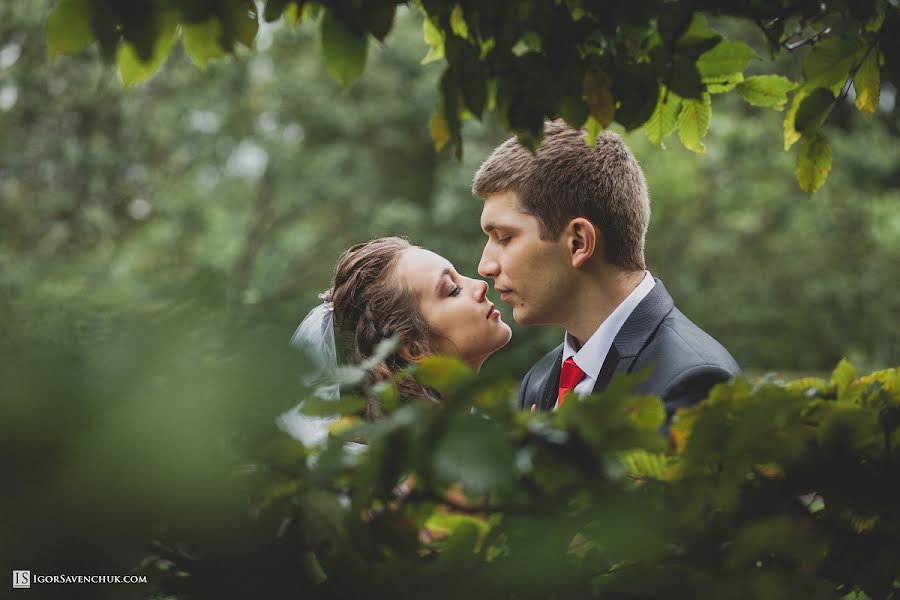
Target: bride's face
{"points": [[454, 305]]}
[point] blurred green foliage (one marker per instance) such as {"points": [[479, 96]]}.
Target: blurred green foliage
{"points": [[159, 245], [652, 63], [248, 179]]}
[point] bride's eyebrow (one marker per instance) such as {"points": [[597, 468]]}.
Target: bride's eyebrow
{"points": [[443, 274]]}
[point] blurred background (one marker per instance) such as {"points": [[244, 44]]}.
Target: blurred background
{"points": [[159, 245]]}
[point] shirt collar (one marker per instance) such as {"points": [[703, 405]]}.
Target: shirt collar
{"points": [[593, 353]]}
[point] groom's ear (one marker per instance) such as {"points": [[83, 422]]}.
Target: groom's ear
{"points": [[581, 240]]}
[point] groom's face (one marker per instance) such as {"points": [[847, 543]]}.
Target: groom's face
{"points": [[531, 274]]}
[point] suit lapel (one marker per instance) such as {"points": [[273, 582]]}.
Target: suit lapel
{"points": [[551, 385], [609, 368], [634, 334], [632, 337]]}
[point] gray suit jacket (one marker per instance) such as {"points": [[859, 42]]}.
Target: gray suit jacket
{"points": [[686, 361]]}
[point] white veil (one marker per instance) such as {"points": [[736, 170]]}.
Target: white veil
{"points": [[315, 335]]}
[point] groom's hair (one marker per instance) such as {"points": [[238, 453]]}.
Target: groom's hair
{"points": [[566, 178]]}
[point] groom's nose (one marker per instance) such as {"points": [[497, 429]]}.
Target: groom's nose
{"points": [[488, 266]]}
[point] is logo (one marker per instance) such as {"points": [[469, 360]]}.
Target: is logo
{"points": [[21, 579]]}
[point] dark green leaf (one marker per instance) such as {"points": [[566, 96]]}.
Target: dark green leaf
{"points": [[475, 452], [674, 19], [381, 19], [637, 96], [344, 49], [273, 10], [132, 69], [813, 111], [685, 78], [829, 62]]}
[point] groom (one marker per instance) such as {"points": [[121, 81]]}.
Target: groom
{"points": [[565, 247]]}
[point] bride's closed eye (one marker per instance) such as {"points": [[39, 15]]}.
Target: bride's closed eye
{"points": [[455, 291]]}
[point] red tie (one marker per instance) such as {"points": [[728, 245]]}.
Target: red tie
{"points": [[568, 379]]}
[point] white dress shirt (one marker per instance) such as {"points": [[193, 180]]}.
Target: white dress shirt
{"points": [[592, 354]]}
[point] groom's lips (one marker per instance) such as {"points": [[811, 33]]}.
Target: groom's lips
{"points": [[504, 293]]}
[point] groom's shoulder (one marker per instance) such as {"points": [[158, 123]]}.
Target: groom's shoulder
{"points": [[681, 345]]}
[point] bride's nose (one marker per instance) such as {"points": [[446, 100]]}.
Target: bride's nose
{"points": [[481, 288]]}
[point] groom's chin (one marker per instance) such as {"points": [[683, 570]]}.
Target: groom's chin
{"points": [[521, 316]]}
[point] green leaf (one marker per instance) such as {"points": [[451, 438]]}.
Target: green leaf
{"points": [[475, 452], [344, 50], [843, 375], [574, 111], [593, 129], [381, 20], [791, 135], [69, 27], [459, 547], [442, 373], [674, 19], [646, 412], [274, 10], [662, 121], [434, 37], [641, 463], [813, 111], [312, 567], [440, 131], [599, 98], [292, 14], [693, 123], [722, 83], [766, 90], [458, 22], [867, 83], [686, 80], [132, 70], [244, 22], [318, 407], [813, 162], [470, 74], [636, 91], [829, 62], [202, 41], [726, 58], [699, 31]]}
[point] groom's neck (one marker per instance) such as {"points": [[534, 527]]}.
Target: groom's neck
{"points": [[595, 297]]}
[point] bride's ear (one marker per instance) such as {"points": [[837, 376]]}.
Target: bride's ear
{"points": [[582, 240], [411, 354]]}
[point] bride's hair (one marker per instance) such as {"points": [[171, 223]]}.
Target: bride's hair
{"points": [[371, 303]]}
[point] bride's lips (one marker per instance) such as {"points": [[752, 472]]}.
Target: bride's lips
{"points": [[492, 313]]}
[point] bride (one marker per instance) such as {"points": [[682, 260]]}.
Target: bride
{"points": [[387, 288]]}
